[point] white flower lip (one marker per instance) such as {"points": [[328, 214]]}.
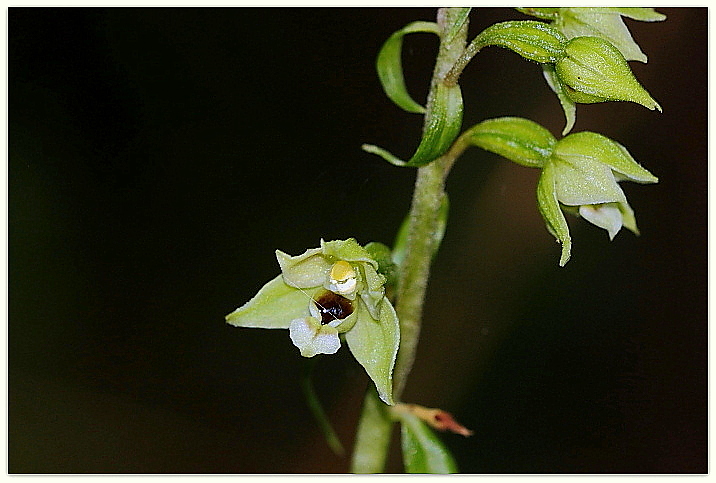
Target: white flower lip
{"points": [[312, 338]]}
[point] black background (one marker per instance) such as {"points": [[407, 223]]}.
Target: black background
{"points": [[158, 157]]}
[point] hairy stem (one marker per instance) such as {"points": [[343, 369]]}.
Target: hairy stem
{"points": [[427, 197], [374, 430]]}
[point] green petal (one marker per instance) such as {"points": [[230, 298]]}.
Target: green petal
{"points": [[310, 269], [373, 291], [604, 150], [584, 180], [383, 255], [520, 140], [423, 452], [549, 208], [273, 307], [390, 67], [374, 344]]}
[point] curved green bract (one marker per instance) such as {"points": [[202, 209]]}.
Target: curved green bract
{"points": [[533, 40], [520, 140], [390, 66], [442, 126]]}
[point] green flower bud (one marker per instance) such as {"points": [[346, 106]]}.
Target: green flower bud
{"points": [[326, 291], [596, 68], [582, 176], [533, 40], [606, 23]]}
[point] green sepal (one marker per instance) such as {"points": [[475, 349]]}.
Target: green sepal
{"points": [[441, 127], [423, 452], [644, 14], [601, 149], [374, 344], [548, 205], [595, 67], [520, 140], [390, 66], [531, 39], [606, 23], [348, 250], [401, 239], [273, 307], [584, 180], [569, 106]]}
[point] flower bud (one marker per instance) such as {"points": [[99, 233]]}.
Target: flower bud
{"points": [[594, 67]]}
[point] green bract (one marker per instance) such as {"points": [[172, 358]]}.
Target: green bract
{"points": [[533, 40], [326, 291], [390, 66], [583, 173], [595, 71], [441, 127], [423, 452], [520, 140]]}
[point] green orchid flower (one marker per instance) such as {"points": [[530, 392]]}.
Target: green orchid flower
{"points": [[327, 292], [581, 176], [580, 173]]}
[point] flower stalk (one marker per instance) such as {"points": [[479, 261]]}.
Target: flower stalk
{"points": [[415, 268]]}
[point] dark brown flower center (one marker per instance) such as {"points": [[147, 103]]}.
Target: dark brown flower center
{"points": [[332, 306]]}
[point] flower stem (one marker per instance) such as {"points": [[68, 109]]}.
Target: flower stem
{"points": [[374, 430], [423, 218]]}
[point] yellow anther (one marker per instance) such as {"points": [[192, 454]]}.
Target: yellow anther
{"points": [[343, 277], [342, 271]]}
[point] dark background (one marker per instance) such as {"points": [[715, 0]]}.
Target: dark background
{"points": [[158, 157]]}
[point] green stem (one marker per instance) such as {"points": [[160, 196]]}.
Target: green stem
{"points": [[374, 430], [427, 197]]}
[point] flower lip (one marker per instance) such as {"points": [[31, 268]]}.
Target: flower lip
{"points": [[331, 307]]}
